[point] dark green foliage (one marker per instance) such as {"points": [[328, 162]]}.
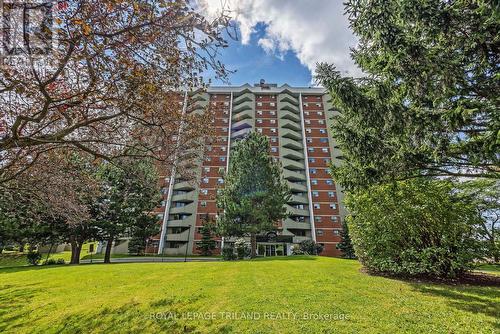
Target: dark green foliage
{"points": [[51, 262], [207, 243], [429, 102], [142, 229], [129, 191], [309, 247], [414, 227], [228, 254], [254, 195], [345, 244], [33, 258]]}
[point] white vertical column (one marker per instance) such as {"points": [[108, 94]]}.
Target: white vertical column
{"points": [[308, 178], [171, 183], [229, 131]]}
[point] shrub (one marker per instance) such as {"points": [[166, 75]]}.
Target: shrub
{"points": [[60, 261], [242, 248], [416, 227], [50, 262], [228, 254], [309, 247], [33, 258]]}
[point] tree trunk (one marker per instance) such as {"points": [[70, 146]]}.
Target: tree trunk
{"points": [[107, 255], [50, 250], [76, 249], [253, 245]]}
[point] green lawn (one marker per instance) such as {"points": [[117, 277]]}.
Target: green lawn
{"points": [[490, 269], [121, 298]]}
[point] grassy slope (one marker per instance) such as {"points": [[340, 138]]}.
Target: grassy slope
{"points": [[121, 297]]}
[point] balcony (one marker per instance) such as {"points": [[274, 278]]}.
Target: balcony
{"points": [[297, 212], [293, 175], [287, 124], [242, 107], [298, 239], [297, 187], [247, 114], [288, 106], [243, 124], [292, 164], [185, 185], [247, 97], [291, 224], [183, 236], [182, 222], [240, 133], [190, 208], [289, 98], [186, 198], [296, 199], [292, 154], [292, 144], [286, 114], [291, 134]]}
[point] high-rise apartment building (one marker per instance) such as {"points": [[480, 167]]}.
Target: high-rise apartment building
{"points": [[297, 122]]}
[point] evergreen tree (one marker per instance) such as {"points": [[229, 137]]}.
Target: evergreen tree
{"points": [[254, 195], [345, 244], [141, 230], [428, 105], [207, 243]]}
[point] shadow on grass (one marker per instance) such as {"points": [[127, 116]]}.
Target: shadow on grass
{"points": [[287, 258], [14, 300], [471, 299]]}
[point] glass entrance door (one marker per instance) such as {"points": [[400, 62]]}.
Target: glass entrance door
{"points": [[270, 250]]}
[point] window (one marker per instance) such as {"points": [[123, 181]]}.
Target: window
{"points": [[274, 149], [259, 112], [300, 206], [309, 140], [323, 140], [209, 148], [221, 170], [307, 121], [312, 160], [225, 120], [227, 97], [312, 170], [329, 182], [336, 232], [203, 204], [259, 130], [334, 219], [326, 160], [273, 130], [315, 194], [205, 180], [331, 194], [310, 149], [272, 104], [226, 103], [222, 158], [319, 232], [208, 159], [308, 130], [317, 219], [204, 191], [206, 169], [272, 121], [223, 148], [324, 149], [306, 113], [272, 113], [321, 121], [259, 121], [318, 104], [259, 104], [317, 206], [320, 113], [224, 129], [314, 182], [306, 104], [333, 206], [322, 131], [220, 181], [274, 139]]}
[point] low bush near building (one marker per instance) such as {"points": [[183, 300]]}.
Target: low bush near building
{"points": [[33, 258], [417, 227]]}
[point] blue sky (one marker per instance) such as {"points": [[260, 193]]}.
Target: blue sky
{"points": [[253, 63]]}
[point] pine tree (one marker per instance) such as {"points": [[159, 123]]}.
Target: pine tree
{"points": [[254, 195], [345, 244], [207, 243]]}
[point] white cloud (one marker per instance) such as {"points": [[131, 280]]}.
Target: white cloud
{"points": [[316, 30]]}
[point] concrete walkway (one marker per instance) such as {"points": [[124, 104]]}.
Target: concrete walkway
{"points": [[153, 259]]}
